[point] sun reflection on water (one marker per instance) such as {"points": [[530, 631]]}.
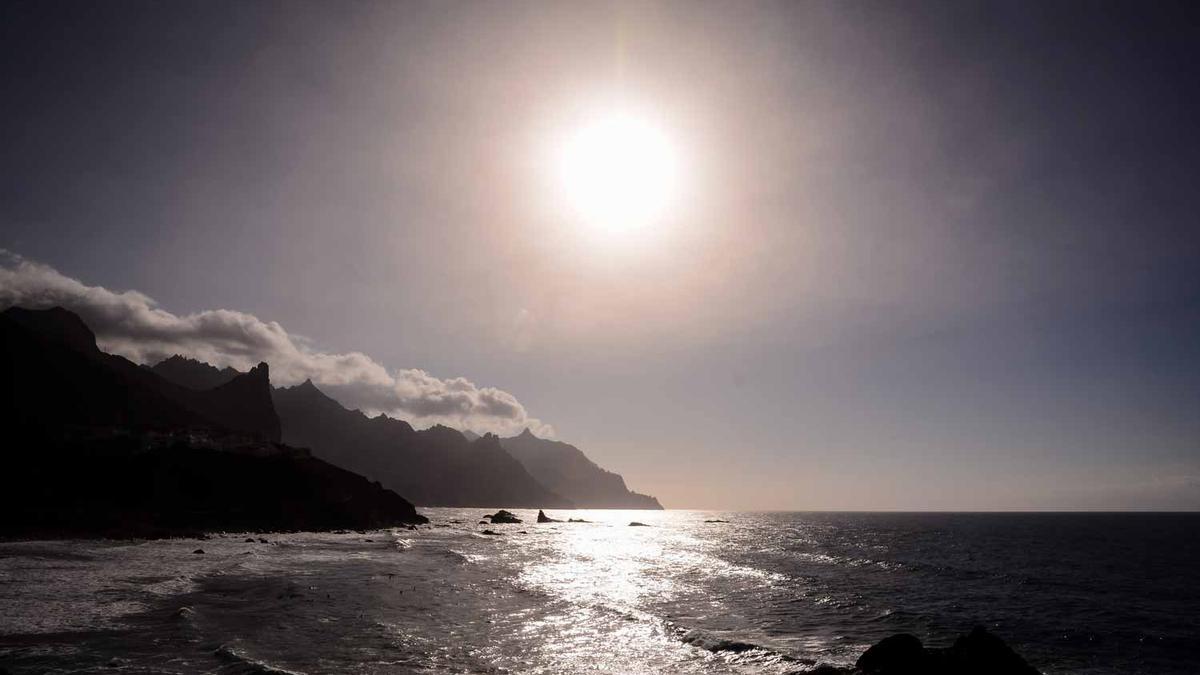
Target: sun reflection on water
{"points": [[606, 586]]}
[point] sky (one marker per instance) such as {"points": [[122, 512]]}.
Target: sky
{"points": [[918, 255]]}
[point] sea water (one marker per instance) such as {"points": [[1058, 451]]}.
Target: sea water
{"points": [[759, 593]]}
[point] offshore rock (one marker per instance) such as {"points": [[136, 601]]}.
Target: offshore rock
{"points": [[982, 653], [896, 655], [977, 653], [503, 516]]}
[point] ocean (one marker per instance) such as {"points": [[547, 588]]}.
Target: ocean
{"points": [[761, 593]]}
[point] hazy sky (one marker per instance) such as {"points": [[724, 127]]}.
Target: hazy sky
{"points": [[924, 255]]}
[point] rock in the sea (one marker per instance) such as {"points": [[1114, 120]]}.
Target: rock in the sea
{"points": [[199, 551], [543, 518], [716, 520], [503, 516], [249, 540], [637, 524], [977, 653], [491, 533], [981, 653], [577, 520], [896, 655]]}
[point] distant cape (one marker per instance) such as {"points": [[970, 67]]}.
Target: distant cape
{"points": [[566, 470]]}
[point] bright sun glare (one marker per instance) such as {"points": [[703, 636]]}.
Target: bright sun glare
{"points": [[619, 173]]}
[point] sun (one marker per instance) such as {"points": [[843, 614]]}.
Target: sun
{"points": [[619, 173]]}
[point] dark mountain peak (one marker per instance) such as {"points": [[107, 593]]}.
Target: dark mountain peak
{"points": [[256, 379], [55, 324], [260, 374], [382, 421], [444, 433], [308, 391], [193, 374], [526, 434], [246, 403]]}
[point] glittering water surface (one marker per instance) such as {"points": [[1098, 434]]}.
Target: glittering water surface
{"points": [[761, 593]]}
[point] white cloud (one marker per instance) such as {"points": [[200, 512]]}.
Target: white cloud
{"points": [[132, 325]]}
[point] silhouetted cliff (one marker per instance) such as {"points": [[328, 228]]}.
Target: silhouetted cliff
{"points": [[58, 376], [98, 445], [433, 467], [243, 403], [567, 471]]}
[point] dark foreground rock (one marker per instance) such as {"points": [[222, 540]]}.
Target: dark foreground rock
{"points": [[637, 524], [977, 653], [982, 653], [543, 518]]}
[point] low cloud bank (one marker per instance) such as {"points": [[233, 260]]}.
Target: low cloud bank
{"points": [[132, 325]]}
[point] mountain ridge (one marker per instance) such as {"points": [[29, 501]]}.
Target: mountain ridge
{"points": [[561, 469], [433, 467], [192, 373], [98, 445]]}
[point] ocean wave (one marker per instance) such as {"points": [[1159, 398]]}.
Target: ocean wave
{"points": [[462, 557], [737, 649], [240, 664], [714, 643]]}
